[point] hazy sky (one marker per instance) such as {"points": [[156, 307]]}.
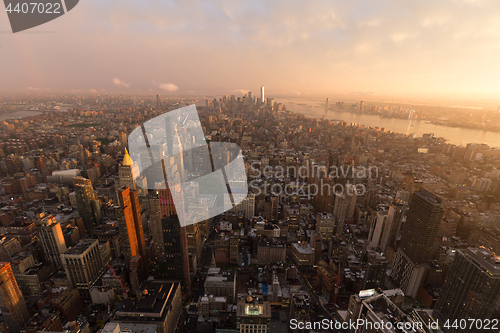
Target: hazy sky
{"points": [[448, 48]]}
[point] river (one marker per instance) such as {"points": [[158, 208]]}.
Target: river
{"points": [[28, 113], [454, 135]]}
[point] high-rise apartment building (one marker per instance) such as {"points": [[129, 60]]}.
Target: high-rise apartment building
{"points": [[471, 289], [52, 239], [130, 224], [423, 218], [88, 204], [12, 304]]}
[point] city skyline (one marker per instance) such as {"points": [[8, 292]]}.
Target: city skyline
{"points": [[439, 51]]}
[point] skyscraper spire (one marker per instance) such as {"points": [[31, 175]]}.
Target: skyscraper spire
{"points": [[127, 160]]}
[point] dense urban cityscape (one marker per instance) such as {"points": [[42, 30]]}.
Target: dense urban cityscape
{"points": [[345, 227]]}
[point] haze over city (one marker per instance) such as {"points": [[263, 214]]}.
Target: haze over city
{"points": [[423, 50]]}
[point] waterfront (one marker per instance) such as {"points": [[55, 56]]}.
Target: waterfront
{"points": [[454, 135], [18, 114]]}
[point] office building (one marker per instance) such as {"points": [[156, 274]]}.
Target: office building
{"points": [[137, 273], [375, 271], [12, 304], [40, 322], [20, 263], [471, 288], [301, 308], [175, 245], [325, 225], [158, 101], [211, 306], [157, 302], [132, 241], [246, 204], [395, 219], [262, 99], [127, 172], [87, 202], [52, 239], [379, 311], [340, 212], [221, 283], [378, 223], [270, 250], [85, 263], [326, 280], [194, 240], [324, 200], [423, 218], [253, 315], [355, 301], [303, 254]]}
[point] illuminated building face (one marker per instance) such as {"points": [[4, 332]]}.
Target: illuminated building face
{"points": [[253, 310]]}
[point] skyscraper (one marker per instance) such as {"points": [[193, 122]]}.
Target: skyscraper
{"points": [[130, 224], [340, 212], [377, 224], [85, 263], [176, 250], [375, 271], [12, 304], [471, 289], [422, 224], [262, 95], [88, 204], [127, 172], [51, 239], [396, 215], [158, 101]]}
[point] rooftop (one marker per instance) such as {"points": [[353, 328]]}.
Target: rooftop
{"points": [[112, 327], [81, 247], [152, 303]]}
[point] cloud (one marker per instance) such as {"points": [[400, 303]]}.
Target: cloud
{"points": [[241, 91], [168, 87], [32, 88], [423, 47], [93, 90], [120, 83]]}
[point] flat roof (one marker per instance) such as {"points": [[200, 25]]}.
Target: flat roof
{"points": [[113, 327]]}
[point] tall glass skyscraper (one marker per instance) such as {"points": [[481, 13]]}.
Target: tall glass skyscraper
{"points": [[471, 289]]}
